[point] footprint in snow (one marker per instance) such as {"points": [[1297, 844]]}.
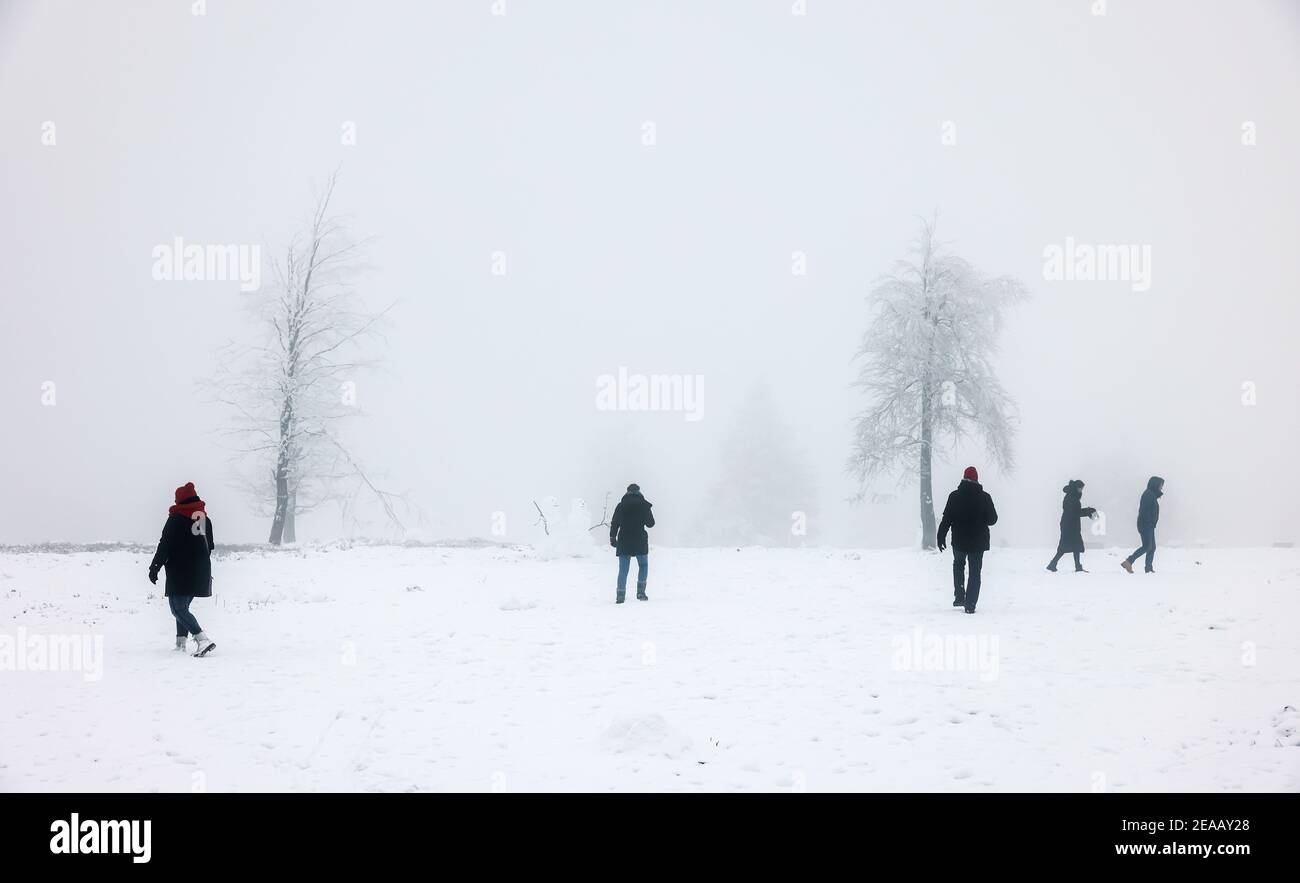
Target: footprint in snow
{"points": [[1286, 726]]}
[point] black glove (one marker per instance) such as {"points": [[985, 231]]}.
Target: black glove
{"points": [[943, 547], [613, 542], [1089, 511], [153, 576]]}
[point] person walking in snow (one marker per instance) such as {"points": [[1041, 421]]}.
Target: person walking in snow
{"points": [[185, 549], [1148, 515], [1071, 530], [969, 512], [627, 535]]}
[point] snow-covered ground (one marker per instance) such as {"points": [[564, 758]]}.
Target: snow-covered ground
{"points": [[428, 669]]}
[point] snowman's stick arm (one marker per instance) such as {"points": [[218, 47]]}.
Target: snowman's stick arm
{"points": [[604, 516]]}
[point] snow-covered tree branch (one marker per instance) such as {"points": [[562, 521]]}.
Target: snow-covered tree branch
{"points": [[927, 368]]}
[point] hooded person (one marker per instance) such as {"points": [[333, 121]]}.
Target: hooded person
{"points": [[969, 513], [627, 534], [1148, 515], [1072, 509], [185, 551]]}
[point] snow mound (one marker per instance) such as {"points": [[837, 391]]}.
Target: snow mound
{"points": [[646, 735]]}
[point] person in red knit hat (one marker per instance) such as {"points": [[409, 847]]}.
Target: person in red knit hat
{"points": [[969, 513], [185, 550]]}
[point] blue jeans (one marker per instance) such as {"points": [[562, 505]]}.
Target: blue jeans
{"points": [[186, 624], [625, 563], [1148, 547]]}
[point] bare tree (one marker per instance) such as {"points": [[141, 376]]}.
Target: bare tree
{"points": [[927, 366], [292, 391]]}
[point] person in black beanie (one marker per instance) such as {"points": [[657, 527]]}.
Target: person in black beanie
{"points": [[627, 534], [1071, 530]]}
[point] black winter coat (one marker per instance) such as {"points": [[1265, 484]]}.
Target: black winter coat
{"points": [[627, 527], [186, 555], [1072, 510], [969, 513], [1149, 506]]}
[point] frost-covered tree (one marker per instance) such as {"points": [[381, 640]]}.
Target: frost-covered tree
{"points": [[765, 493], [291, 391], [926, 364]]}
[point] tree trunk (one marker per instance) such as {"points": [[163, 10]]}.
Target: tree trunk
{"points": [[290, 518], [282, 463], [281, 515], [927, 490]]}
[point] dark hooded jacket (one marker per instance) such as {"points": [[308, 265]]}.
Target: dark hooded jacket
{"points": [[627, 526], [1149, 506], [185, 549], [969, 513], [1072, 510]]}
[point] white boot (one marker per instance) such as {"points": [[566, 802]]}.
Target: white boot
{"points": [[205, 644], [180, 642]]}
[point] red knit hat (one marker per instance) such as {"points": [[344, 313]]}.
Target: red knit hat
{"points": [[970, 474], [185, 491]]}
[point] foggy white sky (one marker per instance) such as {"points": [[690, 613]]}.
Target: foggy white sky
{"points": [[775, 133]]}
